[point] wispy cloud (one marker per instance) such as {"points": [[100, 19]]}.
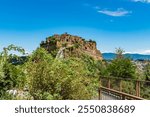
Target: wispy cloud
{"points": [[118, 13], [143, 1]]}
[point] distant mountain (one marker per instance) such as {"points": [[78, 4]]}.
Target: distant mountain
{"points": [[110, 56]]}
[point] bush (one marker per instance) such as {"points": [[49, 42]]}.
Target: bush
{"points": [[51, 78], [11, 76], [122, 68], [42, 77]]}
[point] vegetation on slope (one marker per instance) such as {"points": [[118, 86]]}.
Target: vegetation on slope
{"points": [[43, 77]]}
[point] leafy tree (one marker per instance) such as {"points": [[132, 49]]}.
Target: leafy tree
{"points": [[121, 66], [11, 76], [119, 52], [50, 78]]}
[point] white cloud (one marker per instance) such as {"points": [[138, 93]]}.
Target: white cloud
{"points": [[118, 13], [144, 52], [144, 1]]}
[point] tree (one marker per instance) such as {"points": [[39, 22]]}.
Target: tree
{"points": [[119, 52], [121, 66], [51, 78], [11, 76]]}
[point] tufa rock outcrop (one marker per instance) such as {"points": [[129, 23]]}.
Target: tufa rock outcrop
{"points": [[71, 46]]}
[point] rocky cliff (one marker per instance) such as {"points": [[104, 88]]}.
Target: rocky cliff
{"points": [[69, 45]]}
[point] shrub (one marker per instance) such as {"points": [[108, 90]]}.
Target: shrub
{"points": [[11, 76], [51, 78]]}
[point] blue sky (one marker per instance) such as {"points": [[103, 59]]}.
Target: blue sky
{"points": [[111, 23]]}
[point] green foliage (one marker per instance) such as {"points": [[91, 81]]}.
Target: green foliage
{"points": [[6, 96], [64, 45], [92, 41], [122, 68], [50, 78], [76, 45], [10, 75], [129, 87], [147, 72], [145, 87], [44, 77], [51, 39], [145, 91], [119, 52]]}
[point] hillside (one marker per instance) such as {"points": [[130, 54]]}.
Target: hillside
{"points": [[66, 45]]}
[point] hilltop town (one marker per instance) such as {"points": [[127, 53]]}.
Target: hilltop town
{"points": [[69, 45]]}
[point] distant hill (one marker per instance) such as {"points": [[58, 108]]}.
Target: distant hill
{"points": [[110, 56]]}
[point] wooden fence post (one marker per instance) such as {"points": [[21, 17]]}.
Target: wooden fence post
{"points": [[99, 92], [138, 88]]}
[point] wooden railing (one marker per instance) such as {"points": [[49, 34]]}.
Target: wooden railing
{"points": [[113, 86]]}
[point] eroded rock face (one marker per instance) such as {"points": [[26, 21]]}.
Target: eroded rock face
{"points": [[74, 45]]}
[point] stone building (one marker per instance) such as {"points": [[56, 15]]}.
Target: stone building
{"points": [[73, 45]]}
